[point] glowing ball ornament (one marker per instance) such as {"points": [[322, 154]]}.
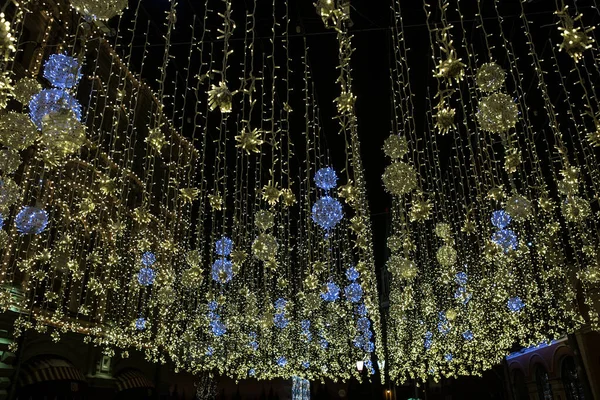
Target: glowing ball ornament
{"points": [[62, 71], [395, 146], [7, 39], [331, 292], [500, 219], [146, 276], [280, 321], [148, 259], [446, 255], [62, 134], [354, 292], [282, 361], [50, 101], [461, 278], [9, 161], [280, 303], [1, 221], [9, 193], [352, 274], [31, 221], [327, 212], [490, 77], [402, 268], [217, 327], [428, 340], [507, 239], [265, 247], [17, 131], [515, 304], [264, 220], [224, 246], [326, 178], [576, 209], [222, 270], [518, 207], [25, 89], [468, 335], [140, 324], [497, 113], [400, 178], [100, 9]]}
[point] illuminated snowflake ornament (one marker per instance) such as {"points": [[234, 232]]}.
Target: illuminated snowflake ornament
{"points": [[62, 71], [222, 270], [50, 101], [282, 361], [31, 221], [331, 292], [515, 304], [327, 212], [468, 335], [224, 246], [146, 276], [352, 274], [280, 321], [326, 178]]}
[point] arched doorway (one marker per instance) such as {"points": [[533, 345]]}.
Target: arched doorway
{"points": [[50, 377], [570, 379], [520, 386], [132, 384], [542, 382]]}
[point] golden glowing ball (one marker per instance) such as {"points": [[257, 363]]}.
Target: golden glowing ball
{"points": [[264, 220], [62, 134], [100, 9], [395, 146], [265, 247], [400, 178], [518, 207], [490, 77], [25, 88], [443, 230], [17, 131], [402, 268], [576, 209], [395, 243], [9, 161], [446, 256], [497, 113]]}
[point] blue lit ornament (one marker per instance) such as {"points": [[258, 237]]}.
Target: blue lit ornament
{"points": [[443, 323], [1, 221], [369, 367], [305, 364], [468, 335], [428, 340], [369, 347], [361, 310], [326, 178], [515, 304], [280, 320], [140, 324], [461, 278], [222, 270], [352, 274], [213, 305], [500, 219], [332, 293], [359, 341], [280, 303], [148, 259], [31, 221], [363, 324], [146, 276], [210, 351], [324, 344], [354, 292], [448, 357], [507, 239], [462, 294], [254, 345], [217, 327], [50, 101], [62, 71], [281, 361], [224, 246], [327, 212]]}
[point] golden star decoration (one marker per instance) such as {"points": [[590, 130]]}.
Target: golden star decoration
{"points": [[250, 141]]}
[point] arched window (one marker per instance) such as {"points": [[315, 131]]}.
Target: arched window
{"points": [[542, 382], [570, 380], [519, 386]]}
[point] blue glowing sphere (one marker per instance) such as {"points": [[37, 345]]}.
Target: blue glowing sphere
{"points": [[305, 325], [448, 357], [515, 304], [280, 320], [369, 347], [443, 323], [148, 259], [224, 246], [62, 71], [217, 327], [352, 274], [369, 366], [507, 239], [461, 278], [210, 351], [361, 310], [251, 372], [354, 292], [360, 341], [281, 361], [462, 294], [222, 270], [146, 276], [1, 221], [305, 364], [50, 101], [500, 219], [280, 303], [326, 178], [254, 345], [140, 324], [428, 340], [213, 305], [468, 335], [327, 212], [332, 293], [31, 221], [363, 324], [324, 344]]}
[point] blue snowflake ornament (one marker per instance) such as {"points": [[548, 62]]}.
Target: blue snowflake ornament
{"points": [[50, 101], [62, 71], [507, 239], [280, 303], [146, 276], [1, 221], [281, 361], [327, 212], [140, 324], [148, 259], [326, 178], [280, 320], [352, 274], [31, 221], [468, 335]]}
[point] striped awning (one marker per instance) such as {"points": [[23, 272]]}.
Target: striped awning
{"points": [[49, 369], [131, 379]]}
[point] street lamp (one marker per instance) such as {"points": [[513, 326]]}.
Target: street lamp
{"points": [[360, 365]]}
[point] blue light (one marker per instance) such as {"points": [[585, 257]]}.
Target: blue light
{"points": [[217, 327], [280, 303], [326, 178], [50, 101], [62, 71], [252, 372], [324, 344], [327, 212], [333, 292], [254, 345], [222, 270], [305, 325], [462, 294], [148, 258], [140, 324], [280, 320], [360, 341], [461, 278], [507, 239], [369, 347], [146, 276], [428, 340], [1, 221], [361, 310], [353, 292], [500, 219], [363, 324], [224, 246], [448, 357], [305, 364], [210, 351], [31, 221], [468, 335], [352, 274], [213, 305], [282, 361], [369, 367], [515, 304]]}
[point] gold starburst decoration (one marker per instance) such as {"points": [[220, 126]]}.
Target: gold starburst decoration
{"points": [[156, 139], [189, 195], [107, 186], [420, 210], [469, 227], [451, 68], [271, 194], [250, 140], [288, 198], [576, 209], [348, 192], [238, 257], [141, 216], [220, 97], [216, 201], [575, 40], [345, 102], [496, 193], [444, 119]]}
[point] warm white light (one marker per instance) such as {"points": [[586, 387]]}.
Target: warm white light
{"points": [[360, 365]]}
